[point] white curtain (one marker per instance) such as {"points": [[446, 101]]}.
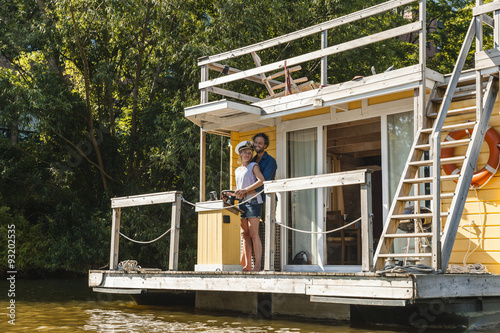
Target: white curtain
{"points": [[302, 159], [400, 139]]}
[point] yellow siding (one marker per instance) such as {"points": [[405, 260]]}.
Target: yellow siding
{"points": [[486, 231], [306, 114], [209, 236], [390, 97], [355, 105], [231, 242], [238, 137]]}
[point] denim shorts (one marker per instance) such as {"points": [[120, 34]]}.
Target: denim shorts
{"points": [[251, 209]]}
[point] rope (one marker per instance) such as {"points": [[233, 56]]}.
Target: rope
{"points": [[128, 265], [467, 254], [471, 268], [146, 242], [317, 232], [415, 269], [278, 223]]}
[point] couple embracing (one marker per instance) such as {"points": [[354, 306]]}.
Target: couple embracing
{"points": [[254, 170]]}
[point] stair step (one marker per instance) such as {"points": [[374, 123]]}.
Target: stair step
{"points": [[456, 112], [409, 235], [404, 255], [424, 180], [456, 96], [415, 216], [425, 197], [445, 144], [451, 128], [448, 160], [455, 143]]}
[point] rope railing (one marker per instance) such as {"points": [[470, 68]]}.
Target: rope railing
{"points": [[317, 232], [145, 242], [274, 221]]}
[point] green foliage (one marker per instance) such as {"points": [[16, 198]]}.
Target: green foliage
{"points": [[92, 98]]}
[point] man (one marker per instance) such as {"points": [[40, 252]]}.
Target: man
{"points": [[266, 162]]}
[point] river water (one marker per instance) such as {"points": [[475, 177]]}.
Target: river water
{"points": [[69, 305]]}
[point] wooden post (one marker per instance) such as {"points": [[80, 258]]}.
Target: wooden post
{"points": [[435, 141], [203, 99], [204, 77], [203, 140], [324, 60], [479, 48], [423, 61], [115, 239], [270, 241], [496, 29], [173, 262], [366, 224]]}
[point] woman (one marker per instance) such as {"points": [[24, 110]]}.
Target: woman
{"points": [[248, 178]]}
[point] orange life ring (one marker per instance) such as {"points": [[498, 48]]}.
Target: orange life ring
{"points": [[482, 176]]}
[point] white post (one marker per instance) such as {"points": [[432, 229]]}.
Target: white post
{"points": [[496, 29], [435, 141], [204, 77], [422, 58], [115, 239], [203, 141], [479, 47], [203, 99], [173, 262], [366, 224], [270, 241], [324, 60]]}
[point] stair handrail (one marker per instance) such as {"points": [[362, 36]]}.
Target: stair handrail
{"points": [[463, 185]]}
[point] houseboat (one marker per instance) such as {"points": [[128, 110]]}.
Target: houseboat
{"points": [[387, 185]]}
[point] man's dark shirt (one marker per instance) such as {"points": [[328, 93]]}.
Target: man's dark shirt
{"points": [[267, 166]]}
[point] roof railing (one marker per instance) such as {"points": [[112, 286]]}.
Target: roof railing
{"points": [[258, 73]]}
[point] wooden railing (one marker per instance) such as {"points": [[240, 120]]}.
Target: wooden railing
{"points": [[117, 204], [257, 74], [361, 177]]}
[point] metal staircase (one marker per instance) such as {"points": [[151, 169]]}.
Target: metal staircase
{"points": [[426, 152]]}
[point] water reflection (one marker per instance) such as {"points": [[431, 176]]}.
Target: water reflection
{"points": [[120, 321]]}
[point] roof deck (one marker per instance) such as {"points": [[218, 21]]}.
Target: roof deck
{"points": [[224, 116], [288, 95]]}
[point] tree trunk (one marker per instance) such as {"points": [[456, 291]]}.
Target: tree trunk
{"points": [[89, 107], [135, 91]]}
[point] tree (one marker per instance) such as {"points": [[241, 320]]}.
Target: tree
{"points": [[93, 94]]}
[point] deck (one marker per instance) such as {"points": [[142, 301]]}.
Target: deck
{"points": [[342, 288]]}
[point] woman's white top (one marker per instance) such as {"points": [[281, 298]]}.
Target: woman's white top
{"points": [[245, 178]]}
